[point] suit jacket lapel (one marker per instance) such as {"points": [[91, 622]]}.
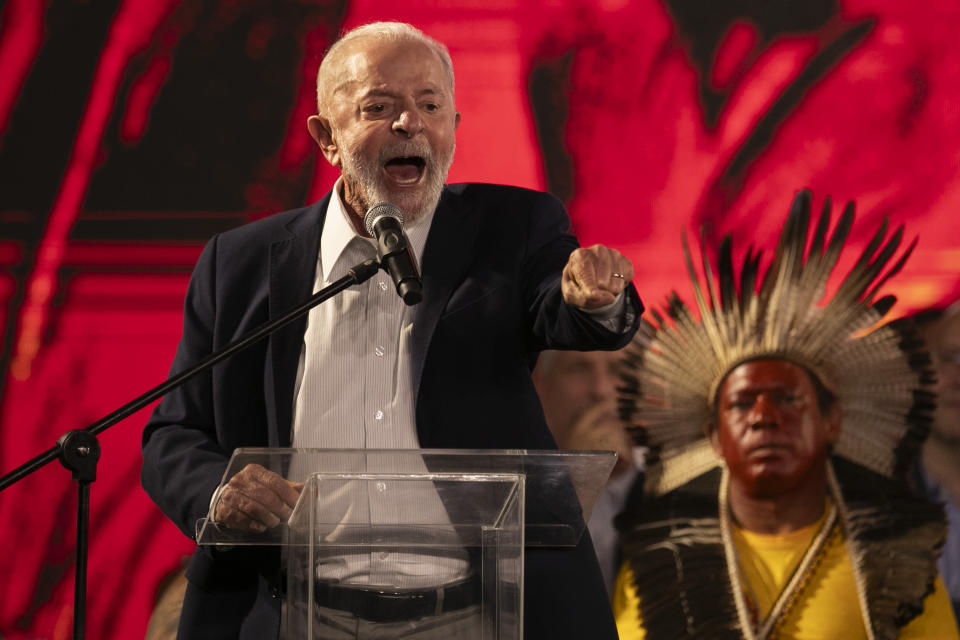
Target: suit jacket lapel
{"points": [[292, 270], [447, 255]]}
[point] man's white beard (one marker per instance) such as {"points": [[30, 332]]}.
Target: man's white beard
{"points": [[367, 178]]}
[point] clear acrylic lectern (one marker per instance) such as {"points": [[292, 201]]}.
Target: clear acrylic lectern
{"points": [[400, 535]]}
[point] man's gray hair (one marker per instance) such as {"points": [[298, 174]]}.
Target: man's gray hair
{"points": [[331, 69]]}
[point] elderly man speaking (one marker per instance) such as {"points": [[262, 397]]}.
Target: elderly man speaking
{"points": [[501, 281]]}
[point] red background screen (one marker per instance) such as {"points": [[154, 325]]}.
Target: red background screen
{"points": [[133, 130]]}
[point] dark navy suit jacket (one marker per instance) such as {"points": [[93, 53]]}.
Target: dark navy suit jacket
{"points": [[491, 301]]}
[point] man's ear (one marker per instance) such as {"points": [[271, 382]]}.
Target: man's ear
{"points": [[321, 131]]}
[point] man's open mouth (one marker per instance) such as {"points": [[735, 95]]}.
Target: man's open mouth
{"points": [[405, 169]]}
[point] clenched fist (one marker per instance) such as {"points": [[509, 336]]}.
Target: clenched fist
{"points": [[594, 277]]}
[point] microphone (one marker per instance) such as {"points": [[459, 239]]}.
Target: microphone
{"points": [[384, 221]]}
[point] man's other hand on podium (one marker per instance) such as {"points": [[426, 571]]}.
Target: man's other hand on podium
{"points": [[256, 499]]}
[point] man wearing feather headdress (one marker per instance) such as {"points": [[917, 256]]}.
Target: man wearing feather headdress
{"points": [[780, 430]]}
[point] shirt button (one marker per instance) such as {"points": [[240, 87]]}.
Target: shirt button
{"points": [[378, 415], [379, 350], [381, 486], [382, 285]]}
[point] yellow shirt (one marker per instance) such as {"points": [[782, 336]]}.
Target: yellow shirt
{"points": [[827, 607]]}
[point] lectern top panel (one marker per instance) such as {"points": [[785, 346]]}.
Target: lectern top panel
{"points": [[557, 488]]}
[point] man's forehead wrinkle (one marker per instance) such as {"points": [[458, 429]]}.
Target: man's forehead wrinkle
{"points": [[739, 385], [765, 386], [341, 69], [384, 89], [362, 63], [344, 86], [350, 66], [356, 70], [431, 90], [353, 66]]}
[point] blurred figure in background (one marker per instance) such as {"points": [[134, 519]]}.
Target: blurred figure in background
{"points": [[165, 616], [578, 390], [938, 478]]}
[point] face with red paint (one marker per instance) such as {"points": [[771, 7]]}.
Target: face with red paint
{"points": [[388, 123], [770, 428]]}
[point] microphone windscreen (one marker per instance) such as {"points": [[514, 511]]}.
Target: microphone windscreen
{"points": [[378, 211]]}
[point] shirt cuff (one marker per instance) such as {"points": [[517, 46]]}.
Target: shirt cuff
{"points": [[611, 316]]}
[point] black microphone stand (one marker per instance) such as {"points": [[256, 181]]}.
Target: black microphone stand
{"points": [[79, 450]]}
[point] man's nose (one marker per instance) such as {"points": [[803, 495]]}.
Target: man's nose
{"points": [[408, 123], [763, 413]]}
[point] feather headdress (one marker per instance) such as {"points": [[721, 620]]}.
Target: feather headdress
{"points": [[879, 373]]}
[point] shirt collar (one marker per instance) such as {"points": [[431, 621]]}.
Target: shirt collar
{"points": [[338, 233]]}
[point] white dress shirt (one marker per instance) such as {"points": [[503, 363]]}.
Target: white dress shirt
{"points": [[354, 382], [354, 391]]}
